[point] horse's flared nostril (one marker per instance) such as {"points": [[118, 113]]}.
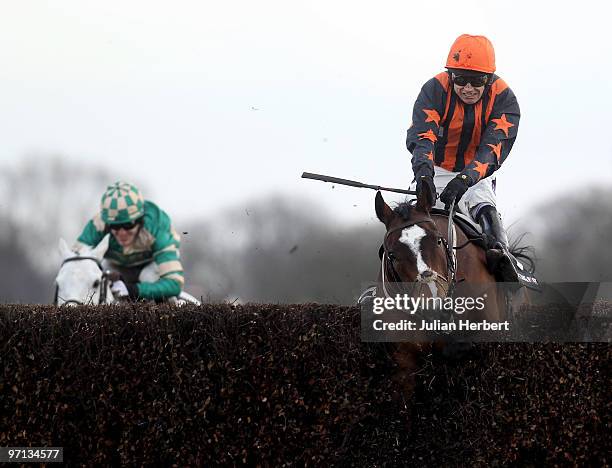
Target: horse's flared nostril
{"points": [[427, 274]]}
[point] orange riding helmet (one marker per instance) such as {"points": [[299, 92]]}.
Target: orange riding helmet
{"points": [[472, 53]]}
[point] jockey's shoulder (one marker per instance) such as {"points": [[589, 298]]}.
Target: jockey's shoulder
{"points": [[98, 223], [156, 220], [498, 84]]}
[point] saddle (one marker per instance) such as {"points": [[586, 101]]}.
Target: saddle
{"points": [[474, 232], [471, 229]]}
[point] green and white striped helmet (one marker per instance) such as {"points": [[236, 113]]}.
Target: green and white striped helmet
{"points": [[121, 203]]}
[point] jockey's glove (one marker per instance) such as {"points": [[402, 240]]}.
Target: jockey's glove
{"points": [[426, 183], [454, 190], [123, 290]]}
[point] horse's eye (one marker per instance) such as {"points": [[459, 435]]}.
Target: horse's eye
{"points": [[391, 256], [96, 284]]}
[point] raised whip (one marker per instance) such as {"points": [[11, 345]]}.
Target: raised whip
{"points": [[353, 183]]}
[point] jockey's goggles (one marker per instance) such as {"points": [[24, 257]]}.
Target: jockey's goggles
{"points": [[124, 226], [475, 80]]}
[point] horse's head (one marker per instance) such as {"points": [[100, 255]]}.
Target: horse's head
{"points": [[81, 279], [414, 250]]}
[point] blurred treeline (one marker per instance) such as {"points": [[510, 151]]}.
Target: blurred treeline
{"points": [[276, 249]]}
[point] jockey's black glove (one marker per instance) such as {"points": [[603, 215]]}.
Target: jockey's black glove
{"points": [[426, 183], [454, 190]]}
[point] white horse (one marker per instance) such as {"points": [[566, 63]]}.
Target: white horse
{"points": [[86, 278]]}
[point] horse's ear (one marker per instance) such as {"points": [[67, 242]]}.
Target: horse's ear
{"points": [[383, 211], [65, 251], [100, 249], [424, 201]]}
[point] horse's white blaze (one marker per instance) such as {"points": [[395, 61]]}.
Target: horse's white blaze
{"points": [[411, 236]]}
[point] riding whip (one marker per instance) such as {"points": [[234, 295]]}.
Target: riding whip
{"points": [[353, 183]]}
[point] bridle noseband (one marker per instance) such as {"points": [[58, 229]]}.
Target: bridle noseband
{"points": [[104, 282]]}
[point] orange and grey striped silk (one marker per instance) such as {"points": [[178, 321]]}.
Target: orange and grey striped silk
{"points": [[472, 139]]}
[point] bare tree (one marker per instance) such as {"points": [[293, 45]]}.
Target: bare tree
{"points": [[42, 199], [19, 281], [45, 198], [572, 237], [282, 249]]}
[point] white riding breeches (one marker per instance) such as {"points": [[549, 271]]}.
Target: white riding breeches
{"points": [[478, 195]]}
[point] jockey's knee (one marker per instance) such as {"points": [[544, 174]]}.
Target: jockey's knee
{"points": [[149, 274], [477, 210]]}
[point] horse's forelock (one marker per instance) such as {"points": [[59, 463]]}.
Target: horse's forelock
{"points": [[404, 210]]}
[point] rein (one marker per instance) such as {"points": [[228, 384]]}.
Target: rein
{"points": [[104, 283]]}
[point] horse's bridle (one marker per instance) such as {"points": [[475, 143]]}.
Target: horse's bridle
{"points": [[104, 282], [446, 283]]}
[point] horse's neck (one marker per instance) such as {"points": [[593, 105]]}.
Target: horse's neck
{"points": [[441, 222], [468, 249]]}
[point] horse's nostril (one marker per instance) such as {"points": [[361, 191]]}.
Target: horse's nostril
{"points": [[427, 274]]}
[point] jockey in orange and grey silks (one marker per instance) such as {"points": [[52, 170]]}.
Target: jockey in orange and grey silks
{"points": [[464, 124], [470, 139]]}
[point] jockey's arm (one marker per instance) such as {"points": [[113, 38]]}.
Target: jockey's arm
{"points": [[423, 133], [171, 279], [497, 139], [160, 289]]}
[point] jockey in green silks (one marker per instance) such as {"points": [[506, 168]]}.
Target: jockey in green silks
{"points": [[141, 237]]}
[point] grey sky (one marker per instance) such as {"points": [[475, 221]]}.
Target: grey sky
{"points": [[213, 103]]}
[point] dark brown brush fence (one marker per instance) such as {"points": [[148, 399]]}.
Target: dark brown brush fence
{"points": [[286, 385]]}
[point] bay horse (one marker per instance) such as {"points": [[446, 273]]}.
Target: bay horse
{"points": [[419, 249]]}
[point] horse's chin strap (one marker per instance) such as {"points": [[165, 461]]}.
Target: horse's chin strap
{"points": [[104, 283], [451, 260]]}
